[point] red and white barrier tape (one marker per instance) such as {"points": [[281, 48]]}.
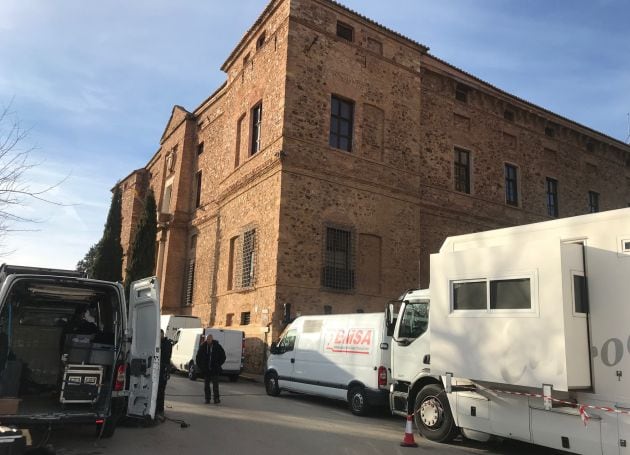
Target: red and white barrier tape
{"points": [[581, 407]]}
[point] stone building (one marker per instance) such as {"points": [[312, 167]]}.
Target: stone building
{"points": [[335, 158]]}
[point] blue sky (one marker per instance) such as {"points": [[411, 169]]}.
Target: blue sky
{"points": [[95, 82]]}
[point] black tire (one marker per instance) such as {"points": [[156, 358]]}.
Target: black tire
{"points": [[106, 429], [233, 377], [271, 384], [432, 414], [192, 371], [357, 400]]}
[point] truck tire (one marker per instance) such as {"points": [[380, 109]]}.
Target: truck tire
{"points": [[192, 371], [432, 414], [271, 384], [357, 399]]}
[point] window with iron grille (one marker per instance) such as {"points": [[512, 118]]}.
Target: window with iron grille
{"points": [[511, 184], [256, 128], [552, 197], [229, 319], [593, 202], [345, 31], [198, 190], [461, 93], [190, 282], [341, 123], [338, 271], [462, 171], [245, 318], [249, 259]]}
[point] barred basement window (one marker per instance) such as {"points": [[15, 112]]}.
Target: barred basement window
{"points": [[190, 282], [338, 271], [249, 258], [245, 318]]}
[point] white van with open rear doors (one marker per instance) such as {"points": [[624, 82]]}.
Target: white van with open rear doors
{"points": [[71, 352], [342, 356]]}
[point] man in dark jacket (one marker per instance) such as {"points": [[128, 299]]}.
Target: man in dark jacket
{"points": [[210, 357]]}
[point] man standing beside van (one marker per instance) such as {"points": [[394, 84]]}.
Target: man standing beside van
{"points": [[210, 357]]}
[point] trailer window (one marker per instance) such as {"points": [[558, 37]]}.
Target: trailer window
{"points": [[510, 294], [580, 296], [415, 320], [470, 295]]}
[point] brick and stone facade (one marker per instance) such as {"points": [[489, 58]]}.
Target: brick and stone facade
{"points": [[254, 237]]}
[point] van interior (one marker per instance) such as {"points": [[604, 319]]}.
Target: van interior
{"points": [[59, 340]]}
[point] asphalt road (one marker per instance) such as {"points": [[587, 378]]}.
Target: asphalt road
{"points": [[249, 421]]}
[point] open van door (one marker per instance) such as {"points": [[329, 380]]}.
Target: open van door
{"points": [[144, 355]]}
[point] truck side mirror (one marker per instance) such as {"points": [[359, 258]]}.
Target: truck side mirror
{"points": [[390, 319]]}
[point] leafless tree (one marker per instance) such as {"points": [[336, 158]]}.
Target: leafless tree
{"points": [[15, 163]]}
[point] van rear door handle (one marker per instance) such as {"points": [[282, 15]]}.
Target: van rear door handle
{"points": [[292, 360]]}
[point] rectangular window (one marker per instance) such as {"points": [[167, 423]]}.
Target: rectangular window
{"points": [[580, 296], [510, 294], [260, 42], [166, 200], [229, 319], [230, 283], [508, 115], [487, 295], [249, 258], [550, 132], [461, 93], [200, 148], [198, 190], [552, 197], [345, 31], [470, 295], [338, 270], [593, 202], [462, 171], [239, 135], [245, 318], [511, 185], [341, 123], [190, 282], [256, 128]]}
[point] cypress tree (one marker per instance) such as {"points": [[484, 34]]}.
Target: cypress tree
{"points": [[108, 259], [142, 261]]}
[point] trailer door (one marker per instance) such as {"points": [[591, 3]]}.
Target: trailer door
{"points": [[144, 356]]}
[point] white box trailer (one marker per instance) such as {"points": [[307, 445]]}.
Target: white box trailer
{"points": [[528, 328]]}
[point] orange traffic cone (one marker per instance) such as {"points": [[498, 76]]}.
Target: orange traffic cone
{"points": [[408, 441]]}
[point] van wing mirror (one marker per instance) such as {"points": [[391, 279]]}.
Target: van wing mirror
{"points": [[391, 316], [273, 349]]}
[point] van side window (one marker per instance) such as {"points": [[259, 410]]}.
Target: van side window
{"points": [[415, 320], [288, 342]]}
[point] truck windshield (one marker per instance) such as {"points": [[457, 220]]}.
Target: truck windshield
{"points": [[415, 319]]}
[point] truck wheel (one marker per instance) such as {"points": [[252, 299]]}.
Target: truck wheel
{"points": [[106, 429], [432, 414], [192, 373], [271, 384], [358, 401], [233, 377]]}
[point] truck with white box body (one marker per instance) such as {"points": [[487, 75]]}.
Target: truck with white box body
{"points": [[171, 323], [187, 343], [524, 333], [342, 356]]}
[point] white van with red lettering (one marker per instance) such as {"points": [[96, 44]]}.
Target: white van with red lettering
{"points": [[342, 356]]}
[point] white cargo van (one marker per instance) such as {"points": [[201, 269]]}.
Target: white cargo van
{"points": [[187, 344], [344, 356], [171, 323], [71, 352]]}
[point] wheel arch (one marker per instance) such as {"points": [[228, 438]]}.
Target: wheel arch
{"points": [[415, 389]]}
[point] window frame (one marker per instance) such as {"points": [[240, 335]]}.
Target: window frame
{"points": [[335, 137], [328, 278], [593, 202], [340, 29], [461, 92], [458, 151], [245, 318], [198, 186], [256, 113], [553, 207], [533, 311], [248, 265], [511, 197]]}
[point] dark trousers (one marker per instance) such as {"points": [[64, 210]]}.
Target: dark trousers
{"points": [[214, 378], [159, 405]]}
